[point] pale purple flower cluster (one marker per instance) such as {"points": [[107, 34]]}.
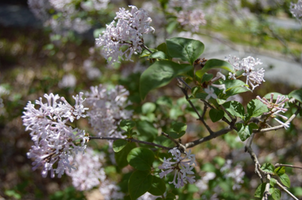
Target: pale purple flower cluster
{"points": [[275, 108], [183, 4], [111, 191], [192, 19], [68, 81], [89, 171], [236, 173], [107, 109], [296, 9], [54, 140], [68, 15], [126, 30], [202, 183], [182, 167], [247, 67]]}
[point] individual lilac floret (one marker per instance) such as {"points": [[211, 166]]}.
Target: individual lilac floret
{"points": [[88, 171], [107, 109], [247, 67], [276, 108], [183, 167], [55, 142], [126, 30], [296, 9]]}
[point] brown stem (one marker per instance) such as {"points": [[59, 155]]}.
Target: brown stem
{"points": [[128, 139]]}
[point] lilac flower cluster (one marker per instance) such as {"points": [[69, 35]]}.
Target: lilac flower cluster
{"points": [[111, 191], [88, 171], [107, 109], [126, 30], [247, 67], [182, 167], [275, 108], [67, 14], [55, 142], [296, 9], [191, 19], [236, 174]]}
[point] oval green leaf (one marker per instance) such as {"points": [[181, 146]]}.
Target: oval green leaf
{"points": [[118, 145], [160, 74], [297, 94], [141, 158], [184, 48], [214, 64], [158, 186], [139, 183]]}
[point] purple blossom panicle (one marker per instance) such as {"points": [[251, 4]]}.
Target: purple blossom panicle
{"points": [[236, 173], [107, 109], [182, 167], [126, 30], [88, 171], [296, 9], [247, 67], [275, 108], [55, 142], [192, 19], [111, 191]]}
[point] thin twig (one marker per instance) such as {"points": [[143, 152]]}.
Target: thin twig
{"points": [[209, 137], [266, 192], [145, 47], [180, 146], [172, 139], [287, 165], [280, 126], [128, 139], [285, 190], [202, 119]]}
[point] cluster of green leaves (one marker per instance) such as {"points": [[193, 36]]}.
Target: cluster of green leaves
{"points": [[277, 174], [144, 178]]}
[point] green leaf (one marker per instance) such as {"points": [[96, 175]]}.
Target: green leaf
{"points": [[147, 131], [285, 180], [234, 87], [184, 48], [255, 108], [276, 193], [121, 157], [216, 115], [297, 94], [268, 167], [214, 64], [118, 145], [159, 55], [139, 183], [280, 170], [177, 130], [245, 131], [158, 186], [141, 158], [259, 191], [126, 125], [160, 74], [235, 108], [148, 108]]}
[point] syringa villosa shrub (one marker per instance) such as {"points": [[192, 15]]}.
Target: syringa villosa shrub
{"points": [[151, 158]]}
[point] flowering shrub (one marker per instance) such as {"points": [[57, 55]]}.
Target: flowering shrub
{"points": [[151, 147]]}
